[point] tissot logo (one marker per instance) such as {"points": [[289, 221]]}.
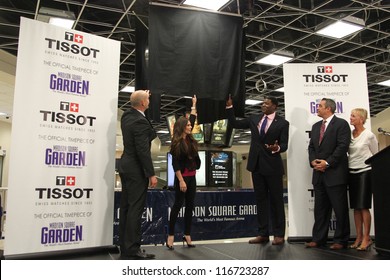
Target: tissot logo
{"points": [[77, 38], [60, 117], [69, 181], [72, 44], [325, 69], [67, 106], [325, 75]]}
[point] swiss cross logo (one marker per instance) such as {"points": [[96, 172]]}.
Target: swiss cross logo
{"points": [[74, 107], [68, 106], [328, 69], [69, 181], [77, 38]]}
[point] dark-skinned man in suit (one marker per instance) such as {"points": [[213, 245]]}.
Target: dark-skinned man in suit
{"points": [[269, 138], [137, 174], [328, 147]]}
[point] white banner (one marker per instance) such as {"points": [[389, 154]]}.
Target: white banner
{"points": [[62, 160], [304, 86]]}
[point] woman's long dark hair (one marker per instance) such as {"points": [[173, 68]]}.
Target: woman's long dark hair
{"points": [[181, 147]]}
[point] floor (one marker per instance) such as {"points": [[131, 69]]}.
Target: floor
{"points": [[235, 249]]}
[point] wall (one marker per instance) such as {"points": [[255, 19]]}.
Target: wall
{"points": [[5, 143], [381, 120]]}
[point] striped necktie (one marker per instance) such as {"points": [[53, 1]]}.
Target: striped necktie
{"points": [[322, 131]]}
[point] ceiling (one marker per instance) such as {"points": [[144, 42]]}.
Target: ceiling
{"points": [[270, 26]]}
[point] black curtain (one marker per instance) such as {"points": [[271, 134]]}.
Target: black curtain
{"points": [[141, 69], [194, 52]]}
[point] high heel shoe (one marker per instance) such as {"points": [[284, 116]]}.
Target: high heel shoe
{"points": [[355, 245], [365, 248], [170, 247], [189, 245]]}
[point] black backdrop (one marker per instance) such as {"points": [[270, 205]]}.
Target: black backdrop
{"points": [[195, 52]]}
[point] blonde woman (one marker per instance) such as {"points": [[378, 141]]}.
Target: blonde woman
{"points": [[363, 145]]}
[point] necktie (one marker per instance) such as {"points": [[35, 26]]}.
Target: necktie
{"points": [[263, 126], [322, 131]]}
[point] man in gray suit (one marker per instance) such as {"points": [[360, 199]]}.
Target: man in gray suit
{"points": [[269, 138], [328, 149], [137, 174]]}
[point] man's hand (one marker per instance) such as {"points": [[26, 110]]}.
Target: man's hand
{"points": [[229, 102], [274, 147], [319, 165], [152, 181]]}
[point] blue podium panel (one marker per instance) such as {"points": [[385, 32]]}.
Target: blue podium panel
{"points": [[217, 215]]}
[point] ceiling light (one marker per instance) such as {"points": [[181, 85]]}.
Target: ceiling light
{"points": [[342, 28], [56, 17], [385, 83], [128, 89], [252, 102], [276, 58], [206, 4], [280, 89], [163, 131], [66, 23]]}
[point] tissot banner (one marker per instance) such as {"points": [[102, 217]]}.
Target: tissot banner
{"points": [[61, 181], [305, 85]]}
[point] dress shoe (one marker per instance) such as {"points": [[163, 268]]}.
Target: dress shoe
{"points": [[355, 244], [278, 241], [170, 238], [189, 245], [336, 246], [259, 240], [170, 247], [312, 244], [366, 247], [140, 255]]}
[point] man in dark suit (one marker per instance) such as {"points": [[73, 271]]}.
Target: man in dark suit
{"points": [[137, 173], [269, 138], [328, 149]]}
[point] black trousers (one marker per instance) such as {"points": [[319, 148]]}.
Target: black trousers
{"points": [[180, 197], [133, 199], [327, 198], [270, 205]]}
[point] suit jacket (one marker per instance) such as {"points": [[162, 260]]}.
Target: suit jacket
{"points": [[261, 159], [138, 134], [333, 149]]}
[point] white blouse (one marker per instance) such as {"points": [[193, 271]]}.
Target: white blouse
{"points": [[360, 149]]}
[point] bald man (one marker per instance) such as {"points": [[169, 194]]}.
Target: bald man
{"points": [[137, 174]]}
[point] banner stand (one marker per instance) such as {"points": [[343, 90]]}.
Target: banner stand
{"points": [[64, 175], [63, 254]]}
